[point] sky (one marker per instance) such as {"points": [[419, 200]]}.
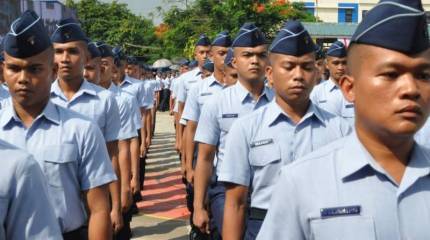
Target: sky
{"points": [[145, 7]]}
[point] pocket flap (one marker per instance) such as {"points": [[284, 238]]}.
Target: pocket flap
{"points": [[63, 153], [263, 155]]}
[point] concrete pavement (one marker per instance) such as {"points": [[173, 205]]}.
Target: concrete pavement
{"points": [[163, 213]]}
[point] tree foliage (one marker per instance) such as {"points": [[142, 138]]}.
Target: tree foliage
{"points": [[213, 16], [115, 24]]}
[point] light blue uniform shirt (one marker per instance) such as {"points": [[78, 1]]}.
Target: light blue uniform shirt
{"points": [[138, 89], [4, 92], [95, 103], [188, 80], [173, 87], [221, 110], [341, 192], [149, 89], [166, 83], [198, 95], [328, 96], [128, 110], [71, 152], [423, 135], [25, 209], [260, 143]]}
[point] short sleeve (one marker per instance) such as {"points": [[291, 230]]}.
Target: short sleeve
{"points": [[236, 168], [192, 107], [282, 220], [95, 168], [208, 131], [112, 120], [182, 91], [128, 129], [149, 97]]}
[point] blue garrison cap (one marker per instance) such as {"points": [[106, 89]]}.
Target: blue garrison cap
{"points": [[399, 25], [132, 60], [1, 57], [193, 64], [93, 50], [223, 39], [229, 58], [209, 65], [293, 39], [337, 49], [68, 30], [319, 52], [163, 70], [249, 36], [183, 62], [203, 41], [27, 36], [118, 53], [104, 49]]}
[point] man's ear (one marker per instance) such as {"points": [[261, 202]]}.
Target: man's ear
{"points": [[346, 84], [269, 71]]}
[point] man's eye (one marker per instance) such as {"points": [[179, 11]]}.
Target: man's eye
{"points": [[424, 76], [390, 75]]}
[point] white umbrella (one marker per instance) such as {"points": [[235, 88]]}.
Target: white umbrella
{"points": [[162, 63]]}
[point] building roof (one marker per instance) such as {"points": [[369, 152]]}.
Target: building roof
{"points": [[332, 30]]}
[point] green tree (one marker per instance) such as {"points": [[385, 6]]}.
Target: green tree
{"points": [[115, 24], [213, 16]]}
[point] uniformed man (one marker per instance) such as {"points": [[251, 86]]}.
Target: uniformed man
{"points": [[72, 91], [184, 69], [132, 68], [197, 96], [219, 113], [92, 68], [208, 69], [4, 91], [373, 184], [201, 53], [230, 73], [69, 148], [23, 216], [129, 119], [321, 65], [144, 98], [328, 95], [277, 134]]}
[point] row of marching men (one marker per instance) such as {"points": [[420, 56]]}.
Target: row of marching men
{"points": [[74, 133], [290, 159]]}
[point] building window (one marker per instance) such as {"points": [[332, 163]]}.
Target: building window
{"points": [[50, 5], [310, 8], [347, 12], [348, 15]]}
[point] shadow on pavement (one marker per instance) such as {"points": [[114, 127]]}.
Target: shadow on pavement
{"points": [[161, 228]]}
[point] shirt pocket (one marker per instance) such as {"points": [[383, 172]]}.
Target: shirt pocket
{"points": [[226, 122], [343, 228], [58, 164], [265, 162]]}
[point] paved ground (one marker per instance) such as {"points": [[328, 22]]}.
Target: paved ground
{"points": [[163, 213]]}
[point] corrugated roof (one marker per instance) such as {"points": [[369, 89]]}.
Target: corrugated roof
{"points": [[332, 30]]}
